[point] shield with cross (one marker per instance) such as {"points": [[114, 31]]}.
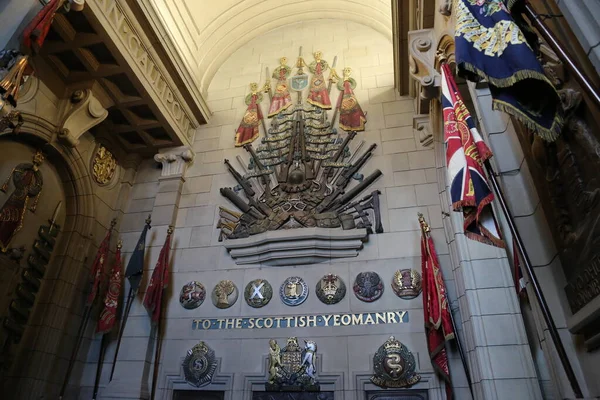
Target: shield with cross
{"points": [[258, 293]]}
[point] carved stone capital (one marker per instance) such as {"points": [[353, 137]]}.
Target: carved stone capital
{"points": [[174, 160], [81, 112], [422, 67], [422, 130]]}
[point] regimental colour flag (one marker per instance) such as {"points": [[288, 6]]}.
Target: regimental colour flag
{"points": [[159, 281], [436, 309], [108, 315], [98, 266], [135, 268], [465, 154], [490, 45], [36, 31]]}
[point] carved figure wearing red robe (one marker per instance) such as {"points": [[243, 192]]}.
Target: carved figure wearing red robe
{"points": [[247, 132], [352, 117], [28, 182], [281, 99], [318, 95]]}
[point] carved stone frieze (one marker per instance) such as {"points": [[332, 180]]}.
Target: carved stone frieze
{"points": [[422, 67], [81, 112], [174, 161]]}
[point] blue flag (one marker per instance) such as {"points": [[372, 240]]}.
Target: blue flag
{"points": [[491, 46], [135, 268]]}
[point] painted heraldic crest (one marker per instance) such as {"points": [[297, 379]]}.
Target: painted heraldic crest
{"points": [[394, 365], [199, 365]]}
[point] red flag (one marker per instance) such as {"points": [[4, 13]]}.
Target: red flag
{"points": [[98, 266], [108, 316], [436, 309], [465, 154], [159, 281], [35, 33]]}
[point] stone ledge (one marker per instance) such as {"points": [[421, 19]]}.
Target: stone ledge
{"points": [[296, 247]]}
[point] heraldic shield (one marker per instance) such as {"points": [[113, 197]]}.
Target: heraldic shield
{"points": [[292, 368], [394, 365], [199, 365]]}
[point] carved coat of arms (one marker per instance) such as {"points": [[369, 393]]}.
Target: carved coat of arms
{"points": [[394, 365], [258, 293], [192, 295], [331, 289], [199, 365], [406, 284], [224, 294], [292, 368], [293, 291], [368, 286]]}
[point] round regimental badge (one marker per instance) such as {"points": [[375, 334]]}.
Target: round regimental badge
{"points": [[192, 295], [293, 291], [258, 293], [225, 294], [406, 283], [331, 289], [368, 286]]}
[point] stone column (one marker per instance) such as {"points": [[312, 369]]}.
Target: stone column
{"points": [[160, 198], [524, 203]]}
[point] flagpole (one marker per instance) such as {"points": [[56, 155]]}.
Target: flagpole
{"points": [[134, 272], [103, 342], [159, 331], [80, 331], [87, 313], [130, 297], [562, 354], [425, 230]]}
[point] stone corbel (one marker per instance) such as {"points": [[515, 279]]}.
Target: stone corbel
{"points": [[422, 130], [174, 161], [82, 112], [445, 7], [422, 70]]}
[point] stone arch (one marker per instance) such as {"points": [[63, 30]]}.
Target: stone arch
{"points": [[68, 256]]}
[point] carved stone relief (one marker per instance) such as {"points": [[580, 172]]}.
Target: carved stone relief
{"points": [[82, 112]]}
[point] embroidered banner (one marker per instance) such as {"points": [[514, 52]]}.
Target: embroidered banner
{"points": [[491, 46]]}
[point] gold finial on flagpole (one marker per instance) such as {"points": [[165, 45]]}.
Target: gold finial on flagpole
{"points": [[171, 229], [120, 244], [424, 225]]}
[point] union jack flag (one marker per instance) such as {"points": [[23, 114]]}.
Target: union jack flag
{"points": [[465, 154]]}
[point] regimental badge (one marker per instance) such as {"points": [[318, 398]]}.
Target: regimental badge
{"points": [[331, 289], [258, 293], [293, 291], [394, 366], [192, 295], [199, 365], [292, 368], [368, 286], [225, 294], [406, 283]]}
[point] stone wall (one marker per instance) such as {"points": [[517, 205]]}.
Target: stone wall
{"points": [[409, 185]]}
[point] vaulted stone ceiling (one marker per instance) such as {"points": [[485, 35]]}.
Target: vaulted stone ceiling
{"points": [[206, 32]]}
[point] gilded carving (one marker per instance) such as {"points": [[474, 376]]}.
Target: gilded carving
{"points": [[104, 166], [292, 368], [394, 365]]}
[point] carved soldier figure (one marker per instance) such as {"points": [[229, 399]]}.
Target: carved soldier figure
{"points": [[247, 132], [281, 99], [274, 360], [28, 182], [352, 117], [318, 95]]}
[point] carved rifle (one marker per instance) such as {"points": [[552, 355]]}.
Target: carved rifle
{"points": [[361, 206], [237, 201], [334, 202], [244, 183]]}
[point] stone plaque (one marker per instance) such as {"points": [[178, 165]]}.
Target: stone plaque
{"points": [[331, 289], [293, 291]]}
